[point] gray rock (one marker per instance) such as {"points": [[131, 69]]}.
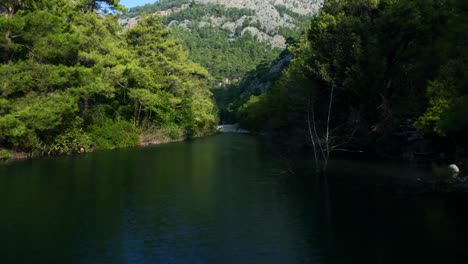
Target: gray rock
{"points": [[267, 17]]}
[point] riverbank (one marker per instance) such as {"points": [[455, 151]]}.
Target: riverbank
{"points": [[145, 139]]}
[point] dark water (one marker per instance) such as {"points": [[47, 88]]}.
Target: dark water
{"points": [[223, 199]]}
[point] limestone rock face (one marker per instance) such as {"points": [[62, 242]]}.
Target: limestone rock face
{"points": [[266, 12], [303, 7], [265, 24]]}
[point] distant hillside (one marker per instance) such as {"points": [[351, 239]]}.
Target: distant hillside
{"points": [[271, 21]]}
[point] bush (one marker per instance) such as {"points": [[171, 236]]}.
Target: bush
{"points": [[5, 154], [252, 114], [72, 141], [113, 134], [174, 132]]}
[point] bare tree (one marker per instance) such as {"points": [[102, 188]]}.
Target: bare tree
{"points": [[325, 143]]}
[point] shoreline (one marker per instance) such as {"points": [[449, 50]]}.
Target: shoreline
{"points": [[435, 182], [20, 156]]}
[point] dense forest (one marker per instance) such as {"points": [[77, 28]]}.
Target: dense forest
{"points": [[72, 80], [386, 77], [227, 60]]}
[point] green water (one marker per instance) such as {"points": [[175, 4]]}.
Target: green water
{"points": [[222, 199]]}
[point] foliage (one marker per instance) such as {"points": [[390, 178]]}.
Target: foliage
{"points": [[448, 100], [225, 58], [73, 140], [183, 83], [5, 154], [67, 74], [231, 98], [380, 57], [447, 92], [111, 134]]}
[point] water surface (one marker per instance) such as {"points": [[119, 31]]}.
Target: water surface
{"points": [[222, 199]]}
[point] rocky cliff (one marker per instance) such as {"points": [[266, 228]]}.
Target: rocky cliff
{"points": [[270, 21]]}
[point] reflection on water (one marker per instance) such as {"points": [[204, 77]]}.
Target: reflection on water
{"points": [[223, 199]]}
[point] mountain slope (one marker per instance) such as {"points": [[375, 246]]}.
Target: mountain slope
{"points": [[231, 38], [271, 21]]}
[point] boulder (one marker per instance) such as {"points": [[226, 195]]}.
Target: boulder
{"points": [[454, 168]]}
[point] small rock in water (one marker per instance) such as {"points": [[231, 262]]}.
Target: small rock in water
{"points": [[454, 170]]}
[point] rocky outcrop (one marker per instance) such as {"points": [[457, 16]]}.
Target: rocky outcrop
{"points": [[276, 40], [303, 7], [269, 16], [265, 24], [266, 11]]}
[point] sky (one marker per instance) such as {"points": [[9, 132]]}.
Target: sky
{"points": [[133, 3]]}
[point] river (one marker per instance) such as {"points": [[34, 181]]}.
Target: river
{"points": [[223, 199]]}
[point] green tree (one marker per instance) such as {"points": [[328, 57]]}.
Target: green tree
{"points": [[181, 83], [68, 74], [375, 61]]}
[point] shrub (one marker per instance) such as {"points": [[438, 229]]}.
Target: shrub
{"points": [[5, 154], [113, 134], [72, 141]]}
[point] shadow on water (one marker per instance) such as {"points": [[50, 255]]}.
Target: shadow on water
{"points": [[373, 213], [223, 199]]}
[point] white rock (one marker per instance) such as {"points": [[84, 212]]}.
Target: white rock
{"points": [[453, 168]]}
